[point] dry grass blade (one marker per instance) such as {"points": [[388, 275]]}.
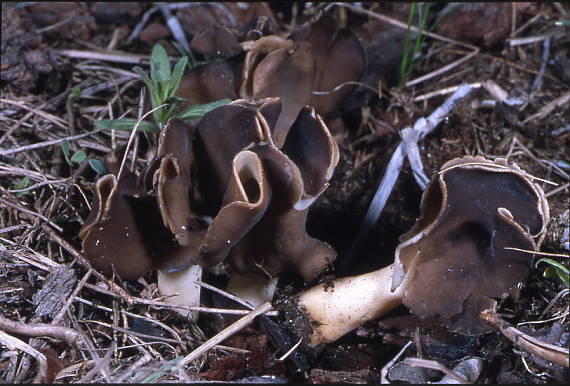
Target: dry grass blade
{"points": [[430, 364], [46, 143], [222, 335], [387, 366], [30, 212], [14, 343], [119, 57]]}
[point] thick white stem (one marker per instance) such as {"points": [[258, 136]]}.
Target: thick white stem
{"points": [[255, 291], [184, 284], [349, 302]]}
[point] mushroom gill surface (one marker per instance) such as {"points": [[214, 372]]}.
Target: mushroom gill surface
{"points": [[471, 214]]}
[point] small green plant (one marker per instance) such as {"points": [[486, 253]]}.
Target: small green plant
{"points": [[422, 11], [80, 156], [77, 157], [98, 166], [162, 84], [19, 184], [556, 271]]}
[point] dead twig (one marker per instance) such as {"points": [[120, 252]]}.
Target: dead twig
{"points": [[547, 109], [63, 309], [66, 334], [550, 352], [30, 212], [39, 145]]}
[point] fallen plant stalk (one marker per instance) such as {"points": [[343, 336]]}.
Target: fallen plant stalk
{"points": [[66, 334], [550, 352]]}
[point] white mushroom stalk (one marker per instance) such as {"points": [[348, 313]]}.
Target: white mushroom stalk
{"points": [[184, 286], [253, 290], [350, 302]]}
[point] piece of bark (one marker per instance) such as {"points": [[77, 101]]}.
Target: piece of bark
{"points": [[57, 287]]}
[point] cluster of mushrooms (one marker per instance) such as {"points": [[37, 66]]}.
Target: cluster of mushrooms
{"points": [[237, 186], [221, 191]]}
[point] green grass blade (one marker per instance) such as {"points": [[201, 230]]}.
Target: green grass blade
{"points": [[561, 271], [197, 111], [125, 124], [177, 75], [406, 55]]}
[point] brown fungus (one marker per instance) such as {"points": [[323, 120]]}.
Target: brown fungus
{"points": [[217, 42], [255, 192], [296, 174], [473, 214], [454, 263], [314, 59], [210, 82], [133, 232], [339, 58]]}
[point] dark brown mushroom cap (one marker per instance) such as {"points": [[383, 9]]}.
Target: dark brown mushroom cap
{"points": [[339, 58], [280, 243], [309, 147], [256, 192], [173, 184], [216, 41], [289, 75], [246, 199], [210, 82], [112, 233], [256, 51], [220, 135], [471, 212]]}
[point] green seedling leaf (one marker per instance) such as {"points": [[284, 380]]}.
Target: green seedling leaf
{"points": [[125, 124], [562, 23], [78, 157], [159, 64], [19, 184], [555, 271], [74, 93], [143, 75], [197, 111], [65, 149], [98, 166], [177, 75]]}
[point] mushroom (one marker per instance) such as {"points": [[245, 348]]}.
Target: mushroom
{"points": [[296, 173], [331, 47], [216, 41], [314, 59], [222, 192], [209, 82], [132, 232], [462, 254]]}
